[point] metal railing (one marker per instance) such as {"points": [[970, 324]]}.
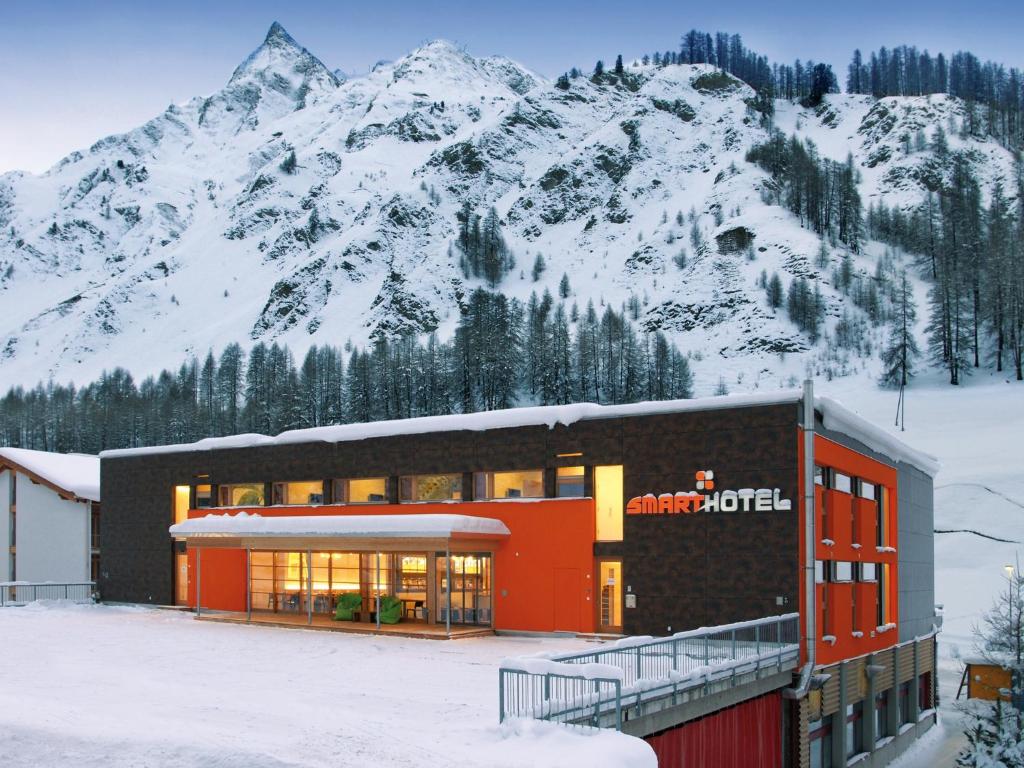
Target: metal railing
{"points": [[23, 592], [628, 674]]}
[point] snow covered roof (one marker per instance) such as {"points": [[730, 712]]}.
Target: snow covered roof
{"points": [[836, 417], [70, 474], [411, 526]]}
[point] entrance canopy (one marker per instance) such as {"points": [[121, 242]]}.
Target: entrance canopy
{"points": [[411, 526]]}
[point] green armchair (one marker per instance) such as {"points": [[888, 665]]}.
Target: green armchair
{"points": [[348, 606], [390, 609]]}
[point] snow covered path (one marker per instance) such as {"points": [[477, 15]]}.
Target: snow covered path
{"points": [[121, 686]]}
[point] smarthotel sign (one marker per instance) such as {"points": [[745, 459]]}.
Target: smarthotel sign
{"points": [[707, 499]]}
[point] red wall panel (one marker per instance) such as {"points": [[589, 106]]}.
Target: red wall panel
{"points": [[748, 735], [548, 537]]}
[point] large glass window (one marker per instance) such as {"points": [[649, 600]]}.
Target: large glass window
{"points": [[527, 484], [366, 490], [430, 488], [470, 589], [242, 495], [608, 502], [311, 492], [569, 482]]}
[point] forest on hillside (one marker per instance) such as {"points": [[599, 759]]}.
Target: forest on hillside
{"points": [[967, 242]]}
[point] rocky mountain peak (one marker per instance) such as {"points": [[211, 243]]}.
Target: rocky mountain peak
{"points": [[282, 64]]}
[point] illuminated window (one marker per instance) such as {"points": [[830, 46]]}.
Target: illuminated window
{"points": [[528, 484], [182, 501], [608, 502], [311, 492], [204, 496], [367, 490], [242, 495], [430, 488], [569, 482], [610, 605]]}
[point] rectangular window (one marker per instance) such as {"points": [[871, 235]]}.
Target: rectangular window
{"points": [[311, 492], [363, 490], [527, 484], [569, 482], [819, 475], [854, 623], [883, 606], [94, 525], [905, 702], [610, 598], [881, 716], [924, 690], [608, 502], [842, 571], [820, 736], [204, 496], [430, 488], [854, 728], [826, 624], [182, 500], [819, 571], [866, 490], [882, 514], [242, 495], [840, 482], [868, 572]]}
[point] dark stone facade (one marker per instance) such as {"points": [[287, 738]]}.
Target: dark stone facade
{"points": [[685, 570]]}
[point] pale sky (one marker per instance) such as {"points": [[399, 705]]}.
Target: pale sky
{"points": [[74, 71]]}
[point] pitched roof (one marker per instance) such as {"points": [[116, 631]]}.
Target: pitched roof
{"points": [[72, 475]]}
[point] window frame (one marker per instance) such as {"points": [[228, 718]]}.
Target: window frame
{"points": [[414, 479], [582, 482], [345, 497], [487, 479], [278, 486], [226, 488]]}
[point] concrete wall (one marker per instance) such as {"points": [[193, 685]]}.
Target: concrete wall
{"points": [[53, 535], [5, 524], [915, 500]]}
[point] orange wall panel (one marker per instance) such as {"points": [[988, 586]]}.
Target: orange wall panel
{"points": [[844, 512], [550, 539]]}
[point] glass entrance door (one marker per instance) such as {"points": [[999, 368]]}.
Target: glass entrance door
{"points": [[609, 602], [471, 579]]}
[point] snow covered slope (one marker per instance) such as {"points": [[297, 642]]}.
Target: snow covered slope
{"points": [[298, 205]]}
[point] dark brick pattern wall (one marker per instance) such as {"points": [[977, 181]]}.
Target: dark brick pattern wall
{"points": [[686, 570]]}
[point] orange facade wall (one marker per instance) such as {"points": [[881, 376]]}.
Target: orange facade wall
{"points": [[846, 528], [543, 572]]}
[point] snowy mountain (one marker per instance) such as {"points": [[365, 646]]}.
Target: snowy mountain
{"points": [[299, 205]]}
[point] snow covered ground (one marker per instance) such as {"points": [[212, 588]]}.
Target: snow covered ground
{"points": [[120, 686]]}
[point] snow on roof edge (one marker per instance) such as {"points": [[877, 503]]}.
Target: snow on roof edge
{"points": [[74, 473], [835, 416], [541, 415], [354, 526]]}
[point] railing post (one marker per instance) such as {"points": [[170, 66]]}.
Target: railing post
{"points": [[733, 633], [501, 696], [757, 643], [618, 705], [638, 670]]}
